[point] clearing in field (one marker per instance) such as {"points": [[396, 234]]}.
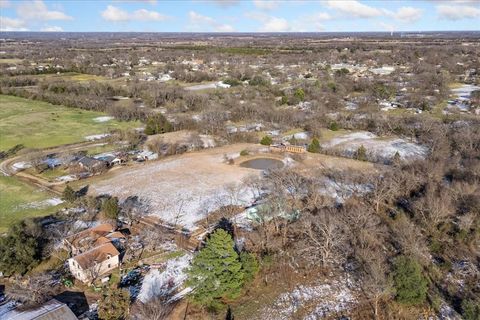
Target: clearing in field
{"points": [[19, 200], [37, 124], [183, 189]]}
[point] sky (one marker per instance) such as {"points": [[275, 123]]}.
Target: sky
{"points": [[238, 15]]}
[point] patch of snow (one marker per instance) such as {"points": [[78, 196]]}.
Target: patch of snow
{"points": [[102, 119], [97, 136], [42, 204], [328, 298], [378, 149], [158, 283], [22, 165], [300, 135], [66, 178]]}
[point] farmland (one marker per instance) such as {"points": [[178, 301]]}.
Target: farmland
{"points": [[19, 200], [37, 124]]}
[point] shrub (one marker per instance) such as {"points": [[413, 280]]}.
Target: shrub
{"points": [[314, 146], [471, 309], [266, 141], [361, 153], [299, 94], [110, 208], [69, 194], [333, 126], [244, 153], [114, 305], [157, 123], [232, 82], [410, 284]]}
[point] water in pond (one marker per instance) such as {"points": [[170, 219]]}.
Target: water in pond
{"points": [[262, 164]]}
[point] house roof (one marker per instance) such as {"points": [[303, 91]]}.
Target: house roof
{"points": [[88, 237], [89, 161], [96, 255], [51, 310]]}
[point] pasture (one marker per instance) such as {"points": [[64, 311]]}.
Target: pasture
{"points": [[19, 200], [37, 124]]}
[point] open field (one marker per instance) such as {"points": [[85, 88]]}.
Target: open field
{"points": [[37, 124], [181, 189], [19, 200], [72, 76]]}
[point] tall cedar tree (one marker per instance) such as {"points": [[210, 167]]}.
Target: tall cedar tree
{"points": [[314, 146], [410, 284], [216, 272]]}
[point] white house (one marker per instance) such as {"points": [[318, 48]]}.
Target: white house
{"points": [[95, 262]]}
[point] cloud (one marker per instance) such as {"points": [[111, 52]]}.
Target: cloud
{"points": [[457, 12], [9, 24], [116, 14], [354, 8], [226, 3], [306, 23], [408, 14], [266, 4], [52, 29], [37, 10], [200, 22]]}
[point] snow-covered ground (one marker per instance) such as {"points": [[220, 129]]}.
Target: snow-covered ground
{"points": [[97, 136], [22, 165], [42, 204], [316, 301], [158, 283], [182, 190], [378, 149], [102, 119], [462, 97]]}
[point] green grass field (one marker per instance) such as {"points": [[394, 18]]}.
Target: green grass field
{"points": [[37, 124], [19, 200]]}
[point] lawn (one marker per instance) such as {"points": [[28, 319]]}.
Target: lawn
{"points": [[19, 200], [37, 124]]}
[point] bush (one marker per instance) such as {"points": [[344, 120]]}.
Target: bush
{"points": [[361, 153], [258, 81], [110, 208], [69, 194], [410, 284], [114, 305], [244, 153], [314, 146], [299, 94], [157, 123], [333, 126], [232, 82], [266, 141], [471, 309]]}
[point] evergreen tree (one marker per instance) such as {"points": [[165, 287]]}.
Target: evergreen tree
{"points": [[19, 250], [110, 208], [361, 153], [333, 126], [314, 146], [216, 272], [410, 284], [266, 141], [249, 265], [69, 194]]}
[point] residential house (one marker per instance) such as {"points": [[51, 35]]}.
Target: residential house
{"points": [[95, 251], [91, 164], [95, 262]]}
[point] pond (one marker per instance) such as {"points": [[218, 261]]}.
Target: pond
{"points": [[262, 164]]}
